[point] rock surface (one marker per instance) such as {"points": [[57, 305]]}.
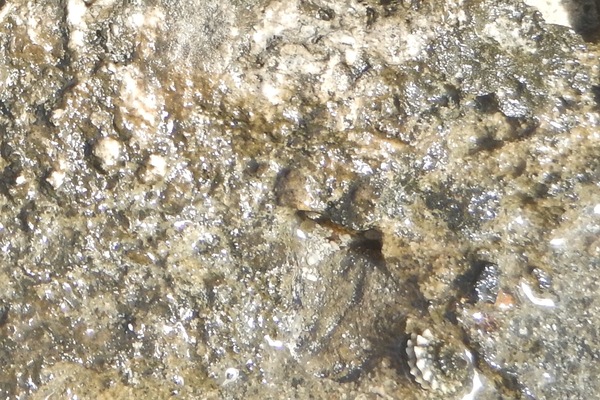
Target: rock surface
{"points": [[299, 199]]}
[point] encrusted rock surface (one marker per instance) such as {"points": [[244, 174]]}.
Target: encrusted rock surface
{"points": [[277, 199]]}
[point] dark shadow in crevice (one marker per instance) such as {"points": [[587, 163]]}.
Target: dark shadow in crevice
{"points": [[584, 17], [487, 103], [390, 344], [369, 241], [480, 283], [596, 93]]}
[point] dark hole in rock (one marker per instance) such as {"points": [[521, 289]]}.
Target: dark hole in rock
{"points": [[28, 217], [325, 14], [3, 109], [480, 283], [487, 103], [3, 315], [596, 92], [522, 127], [370, 240], [486, 143]]}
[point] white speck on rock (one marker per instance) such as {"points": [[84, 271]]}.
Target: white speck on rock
{"points": [[231, 375], [76, 10], [313, 259], [20, 180], [108, 151], [154, 169], [5, 11], [278, 344], [157, 165], [300, 233], [56, 178], [538, 301]]}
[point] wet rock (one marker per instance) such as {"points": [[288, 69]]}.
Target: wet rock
{"points": [[303, 199]]}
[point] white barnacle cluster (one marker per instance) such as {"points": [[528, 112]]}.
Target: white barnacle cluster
{"points": [[420, 359], [439, 366]]}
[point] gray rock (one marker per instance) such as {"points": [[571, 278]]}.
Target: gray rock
{"points": [[279, 199]]}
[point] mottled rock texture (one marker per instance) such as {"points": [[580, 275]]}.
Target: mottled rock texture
{"points": [[278, 199]]}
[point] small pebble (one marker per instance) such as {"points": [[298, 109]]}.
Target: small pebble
{"points": [[154, 169], [56, 178], [108, 152]]}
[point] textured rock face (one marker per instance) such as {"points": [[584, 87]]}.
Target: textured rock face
{"points": [[298, 199]]}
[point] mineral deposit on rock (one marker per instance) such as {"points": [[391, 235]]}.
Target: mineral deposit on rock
{"points": [[299, 199]]}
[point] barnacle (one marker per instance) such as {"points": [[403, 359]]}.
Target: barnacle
{"points": [[444, 366]]}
